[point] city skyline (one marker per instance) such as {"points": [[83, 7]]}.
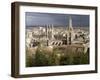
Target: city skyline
{"points": [[51, 44]]}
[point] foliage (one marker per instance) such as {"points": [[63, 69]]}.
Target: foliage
{"points": [[64, 60], [59, 56], [29, 59], [43, 58]]}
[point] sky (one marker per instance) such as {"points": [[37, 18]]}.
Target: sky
{"points": [[34, 18]]}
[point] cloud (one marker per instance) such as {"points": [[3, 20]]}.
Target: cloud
{"points": [[32, 19]]}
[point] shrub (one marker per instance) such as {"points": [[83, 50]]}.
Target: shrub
{"points": [[43, 58], [29, 59], [64, 60]]}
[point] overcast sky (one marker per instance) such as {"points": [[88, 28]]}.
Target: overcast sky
{"points": [[32, 19]]}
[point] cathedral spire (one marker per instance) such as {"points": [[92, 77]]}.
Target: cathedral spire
{"points": [[70, 28]]}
